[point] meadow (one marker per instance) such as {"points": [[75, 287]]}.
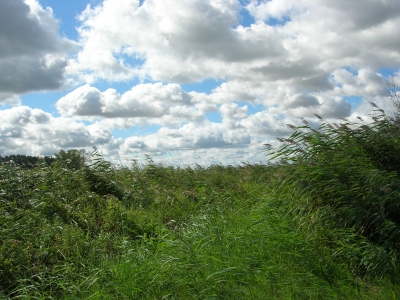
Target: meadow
{"points": [[321, 222]]}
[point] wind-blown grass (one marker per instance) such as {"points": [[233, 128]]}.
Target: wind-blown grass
{"points": [[322, 224], [349, 173]]}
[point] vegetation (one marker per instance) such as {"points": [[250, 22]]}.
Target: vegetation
{"points": [[26, 160], [323, 223]]}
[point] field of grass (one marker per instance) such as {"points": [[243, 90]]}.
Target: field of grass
{"points": [[322, 223]]}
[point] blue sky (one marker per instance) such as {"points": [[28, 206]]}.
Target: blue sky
{"points": [[66, 12], [207, 81]]}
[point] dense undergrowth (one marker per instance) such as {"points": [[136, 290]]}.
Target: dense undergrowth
{"points": [[323, 223], [349, 173]]}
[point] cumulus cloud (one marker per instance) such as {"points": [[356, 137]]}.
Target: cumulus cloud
{"points": [[364, 82], [308, 53], [298, 58], [35, 132], [147, 103], [190, 136], [266, 124], [9, 98], [192, 40], [296, 101], [32, 55]]}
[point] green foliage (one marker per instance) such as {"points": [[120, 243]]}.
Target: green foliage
{"points": [[322, 224], [71, 159], [350, 175], [26, 161], [223, 254], [100, 175], [188, 233], [58, 221]]}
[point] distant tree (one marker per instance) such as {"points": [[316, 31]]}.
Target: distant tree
{"points": [[49, 160], [25, 161], [72, 159]]}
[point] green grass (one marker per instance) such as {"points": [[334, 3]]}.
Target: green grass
{"points": [[320, 224]]}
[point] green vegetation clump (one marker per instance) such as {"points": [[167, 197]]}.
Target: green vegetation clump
{"points": [[349, 176], [26, 160], [323, 223]]}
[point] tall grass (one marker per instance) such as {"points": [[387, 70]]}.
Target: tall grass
{"points": [[321, 224], [231, 254], [349, 173]]}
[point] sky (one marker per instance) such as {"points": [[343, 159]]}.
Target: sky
{"points": [[190, 81]]}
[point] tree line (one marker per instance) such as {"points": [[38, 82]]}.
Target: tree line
{"points": [[26, 161]]}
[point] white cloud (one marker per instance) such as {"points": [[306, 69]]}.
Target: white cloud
{"points": [[146, 103], [233, 111], [192, 40], [32, 55], [35, 132], [190, 136], [305, 105], [9, 98], [299, 58], [264, 64], [178, 41], [276, 9], [365, 82], [266, 125]]}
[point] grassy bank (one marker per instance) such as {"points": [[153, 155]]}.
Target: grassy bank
{"points": [[320, 224]]}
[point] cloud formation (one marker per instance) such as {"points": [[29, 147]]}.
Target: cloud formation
{"points": [[147, 103], [196, 39], [33, 131], [32, 55], [296, 59]]}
